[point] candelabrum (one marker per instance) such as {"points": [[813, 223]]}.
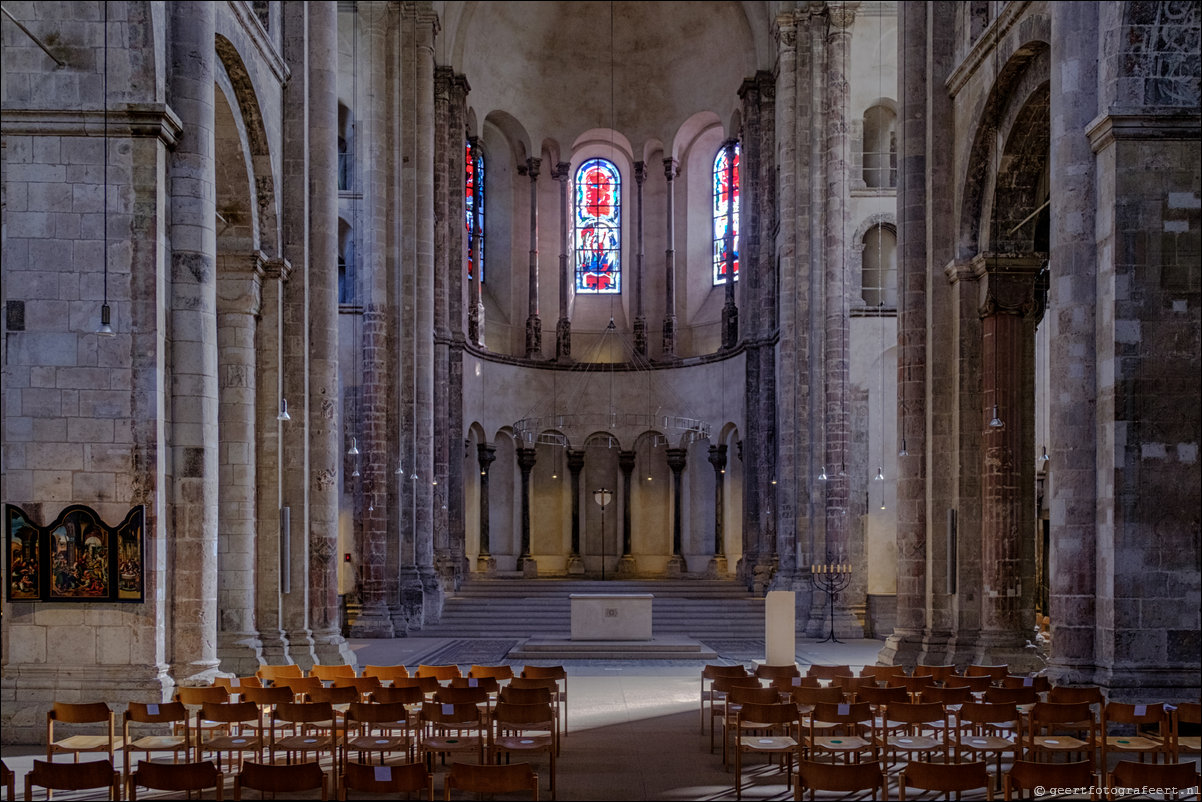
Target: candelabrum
{"points": [[831, 579]]}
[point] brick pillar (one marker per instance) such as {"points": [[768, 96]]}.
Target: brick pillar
{"points": [[671, 170], [194, 388], [626, 460], [534, 326], [717, 566], [526, 459], [640, 304], [238, 302], [575, 466], [485, 563], [562, 173], [677, 459]]}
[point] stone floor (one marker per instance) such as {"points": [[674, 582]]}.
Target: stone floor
{"points": [[633, 727]]}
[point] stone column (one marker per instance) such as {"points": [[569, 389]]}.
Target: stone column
{"points": [[485, 563], [1009, 306], [904, 645], [838, 527], [475, 308], [677, 458], [562, 173], [238, 303], [443, 265], [730, 312], [534, 326], [325, 435], [671, 170], [626, 460], [575, 466], [717, 567], [269, 540], [640, 305], [194, 387], [1073, 358], [526, 459]]}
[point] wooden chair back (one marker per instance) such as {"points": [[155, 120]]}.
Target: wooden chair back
{"points": [[1040, 683], [940, 673], [409, 696], [440, 673], [788, 684], [1175, 776], [300, 686], [741, 695], [976, 683], [499, 673], [290, 779], [197, 696], [886, 674], [1027, 775], [177, 777], [380, 780], [492, 779], [915, 712], [273, 673], [487, 684], [917, 683], [987, 713], [376, 713], [304, 712], [1069, 694], [813, 696], [889, 695], [947, 696], [828, 672], [427, 685], [771, 673], [385, 673], [525, 696], [511, 715], [237, 684], [996, 673], [1012, 696], [267, 697], [73, 777], [545, 672], [461, 696], [338, 695], [330, 673], [945, 777], [712, 671], [845, 777]]}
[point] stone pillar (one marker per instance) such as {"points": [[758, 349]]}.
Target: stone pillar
{"points": [[475, 308], [269, 540], [194, 386], [325, 435], [563, 328], [904, 645], [717, 567], [1073, 358], [526, 459], [534, 326], [238, 302], [1007, 472], [677, 458], [839, 547], [671, 170], [445, 221], [626, 460], [730, 312], [640, 305], [485, 563], [575, 466]]}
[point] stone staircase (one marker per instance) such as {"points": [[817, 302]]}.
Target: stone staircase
{"points": [[521, 608]]}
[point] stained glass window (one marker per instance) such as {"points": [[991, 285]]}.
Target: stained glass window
{"points": [[725, 191], [473, 196], [598, 227]]}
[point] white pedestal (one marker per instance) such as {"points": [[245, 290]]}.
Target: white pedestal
{"points": [[780, 628], [611, 616]]}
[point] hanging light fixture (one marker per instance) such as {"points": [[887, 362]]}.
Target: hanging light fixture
{"points": [[354, 449], [822, 477], [106, 314], [1044, 456], [283, 416]]}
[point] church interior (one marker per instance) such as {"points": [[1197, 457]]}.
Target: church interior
{"points": [[318, 312]]}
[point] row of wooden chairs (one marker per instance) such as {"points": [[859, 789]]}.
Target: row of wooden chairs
{"points": [[270, 778]]}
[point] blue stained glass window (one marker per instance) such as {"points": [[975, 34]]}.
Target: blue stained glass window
{"points": [[473, 197], [725, 191], [598, 227]]}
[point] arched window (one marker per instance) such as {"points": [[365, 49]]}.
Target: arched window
{"points": [[598, 227], [473, 195], [726, 197], [880, 148], [879, 281]]}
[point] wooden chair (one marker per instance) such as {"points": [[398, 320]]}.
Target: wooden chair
{"points": [[194, 697], [440, 673], [267, 700], [331, 673], [1175, 777], [769, 673], [180, 739], [1024, 777], [1069, 694], [735, 700], [720, 688], [851, 685], [83, 714], [1024, 696], [878, 696], [772, 729], [386, 674], [1050, 728], [450, 729], [940, 673], [977, 683], [913, 729], [491, 685], [560, 675], [1040, 683], [524, 729], [461, 696], [856, 721], [9, 779], [362, 685], [828, 673], [381, 780], [1152, 731], [235, 684], [186, 777], [272, 674], [786, 684], [237, 730], [711, 672], [314, 730], [405, 696], [984, 728], [951, 698], [532, 696], [427, 684], [499, 673], [301, 687], [995, 673], [812, 776], [1189, 714], [917, 683], [266, 778], [945, 777], [890, 675], [505, 778], [378, 728], [73, 777]]}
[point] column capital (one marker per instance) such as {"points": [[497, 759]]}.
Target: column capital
{"points": [[677, 458], [486, 454], [575, 460], [1010, 284], [527, 457], [784, 29], [640, 172], [717, 457], [532, 168], [626, 460], [561, 171], [841, 17], [671, 168]]}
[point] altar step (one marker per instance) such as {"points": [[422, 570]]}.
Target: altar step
{"points": [[540, 608]]}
